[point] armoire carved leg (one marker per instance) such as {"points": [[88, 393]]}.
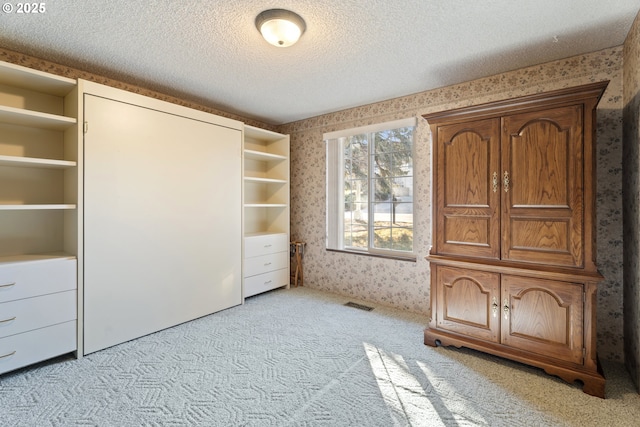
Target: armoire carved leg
{"points": [[594, 387]]}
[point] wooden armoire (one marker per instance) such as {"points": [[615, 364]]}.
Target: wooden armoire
{"points": [[513, 269]]}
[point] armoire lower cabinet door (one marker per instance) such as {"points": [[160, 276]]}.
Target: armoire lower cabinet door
{"points": [[468, 302], [535, 315], [543, 317]]}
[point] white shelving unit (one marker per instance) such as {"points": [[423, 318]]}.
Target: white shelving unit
{"points": [[39, 240], [266, 210], [38, 162]]}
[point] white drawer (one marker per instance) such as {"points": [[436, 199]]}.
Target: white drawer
{"points": [[28, 314], [265, 244], [265, 263], [21, 350], [265, 282], [32, 278]]}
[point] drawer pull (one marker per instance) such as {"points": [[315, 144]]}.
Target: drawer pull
{"points": [[267, 246], [267, 263], [8, 285], [268, 281], [8, 320], [8, 355]]}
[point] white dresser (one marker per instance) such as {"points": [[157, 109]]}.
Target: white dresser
{"points": [[266, 262], [37, 309]]}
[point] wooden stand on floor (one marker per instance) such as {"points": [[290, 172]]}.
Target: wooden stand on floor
{"points": [[297, 253]]}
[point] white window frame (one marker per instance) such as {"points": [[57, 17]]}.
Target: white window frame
{"points": [[334, 142]]}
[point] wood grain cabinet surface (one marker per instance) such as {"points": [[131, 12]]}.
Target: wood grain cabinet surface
{"points": [[513, 257]]}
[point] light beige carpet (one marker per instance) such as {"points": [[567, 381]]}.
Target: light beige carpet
{"points": [[300, 357]]}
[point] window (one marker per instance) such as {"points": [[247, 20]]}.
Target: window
{"points": [[370, 189]]}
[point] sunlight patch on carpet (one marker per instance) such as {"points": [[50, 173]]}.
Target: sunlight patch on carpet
{"points": [[407, 401], [460, 408]]}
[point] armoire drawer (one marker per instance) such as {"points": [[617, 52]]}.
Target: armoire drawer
{"points": [[265, 282], [265, 263], [265, 244], [30, 347], [28, 314], [32, 278]]}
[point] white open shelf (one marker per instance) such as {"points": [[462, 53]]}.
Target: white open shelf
{"points": [[265, 180], [26, 78], [260, 155], [16, 207], [263, 233], [20, 117], [10, 259], [265, 205], [35, 162]]}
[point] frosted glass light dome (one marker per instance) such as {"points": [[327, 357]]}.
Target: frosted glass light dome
{"points": [[280, 27]]}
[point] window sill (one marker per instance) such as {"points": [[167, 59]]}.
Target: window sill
{"points": [[408, 257]]}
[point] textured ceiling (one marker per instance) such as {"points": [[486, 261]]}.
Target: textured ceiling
{"points": [[353, 52]]}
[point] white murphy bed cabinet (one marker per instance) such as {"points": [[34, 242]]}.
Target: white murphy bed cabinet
{"points": [[162, 215], [135, 225], [266, 211], [39, 241]]}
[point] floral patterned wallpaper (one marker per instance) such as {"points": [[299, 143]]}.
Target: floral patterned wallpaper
{"points": [[631, 195], [405, 285]]}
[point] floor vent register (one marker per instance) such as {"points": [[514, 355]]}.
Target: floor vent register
{"points": [[359, 306]]}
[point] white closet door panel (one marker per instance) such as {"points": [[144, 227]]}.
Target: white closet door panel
{"points": [[162, 221]]}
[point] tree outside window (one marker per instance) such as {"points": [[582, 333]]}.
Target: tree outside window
{"points": [[376, 191]]}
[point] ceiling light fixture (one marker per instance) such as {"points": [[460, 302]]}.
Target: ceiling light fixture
{"points": [[280, 27]]}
